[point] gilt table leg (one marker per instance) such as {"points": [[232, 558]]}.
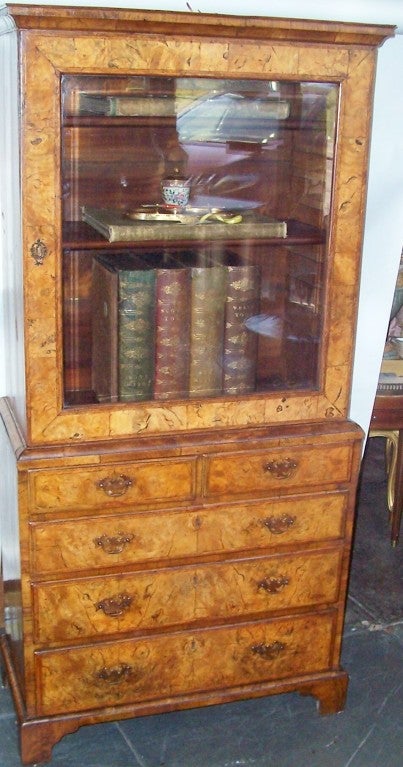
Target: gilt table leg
{"points": [[398, 494]]}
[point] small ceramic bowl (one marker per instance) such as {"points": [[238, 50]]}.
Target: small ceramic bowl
{"points": [[175, 192]]}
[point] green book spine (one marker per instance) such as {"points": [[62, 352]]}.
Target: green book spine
{"points": [[207, 330], [136, 307]]}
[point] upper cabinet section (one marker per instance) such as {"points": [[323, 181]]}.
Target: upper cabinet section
{"points": [[193, 191]]}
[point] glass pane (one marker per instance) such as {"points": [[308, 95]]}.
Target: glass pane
{"points": [[195, 236]]}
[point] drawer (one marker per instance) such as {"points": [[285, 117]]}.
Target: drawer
{"points": [[113, 485], [176, 596], [164, 667], [274, 470], [108, 541]]}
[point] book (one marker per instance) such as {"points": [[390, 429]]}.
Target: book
{"points": [[123, 342], [240, 341], [117, 226], [207, 302], [104, 368], [172, 332], [126, 105], [391, 377]]}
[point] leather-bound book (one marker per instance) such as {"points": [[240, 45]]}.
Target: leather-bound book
{"points": [[240, 343], [172, 332], [207, 302], [123, 353], [104, 332]]}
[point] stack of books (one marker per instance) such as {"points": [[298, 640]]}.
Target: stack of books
{"points": [[173, 326]]}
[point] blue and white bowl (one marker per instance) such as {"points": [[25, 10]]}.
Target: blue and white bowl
{"points": [[175, 192]]}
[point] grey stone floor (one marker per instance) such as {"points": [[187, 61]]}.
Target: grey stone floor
{"points": [[285, 730]]}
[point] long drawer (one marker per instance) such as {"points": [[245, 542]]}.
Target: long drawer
{"points": [[267, 471], [62, 547], [165, 667], [113, 485], [87, 608]]}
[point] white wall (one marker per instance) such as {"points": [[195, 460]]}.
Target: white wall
{"points": [[384, 222]]}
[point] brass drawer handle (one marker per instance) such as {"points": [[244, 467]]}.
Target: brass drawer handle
{"points": [[117, 484], [273, 584], [113, 544], [279, 525], [268, 651], [115, 606], [115, 674], [284, 468]]}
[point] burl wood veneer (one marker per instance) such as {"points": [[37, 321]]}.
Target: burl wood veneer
{"points": [[163, 555]]}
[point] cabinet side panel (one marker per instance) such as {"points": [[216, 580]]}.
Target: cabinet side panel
{"points": [[9, 540], [12, 380]]}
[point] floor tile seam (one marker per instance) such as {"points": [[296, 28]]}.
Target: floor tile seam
{"points": [[139, 760], [361, 606]]}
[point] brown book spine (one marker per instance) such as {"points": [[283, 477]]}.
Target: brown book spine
{"points": [[172, 333], [240, 343], [104, 332], [207, 330]]}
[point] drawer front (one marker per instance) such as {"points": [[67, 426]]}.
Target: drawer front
{"points": [[175, 596], [159, 667], [273, 470], [113, 485], [101, 542]]}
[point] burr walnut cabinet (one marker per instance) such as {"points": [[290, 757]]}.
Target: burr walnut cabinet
{"points": [[179, 467]]}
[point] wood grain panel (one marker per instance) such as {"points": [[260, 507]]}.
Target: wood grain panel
{"points": [[118, 541], [119, 485], [164, 667], [265, 471], [165, 598]]}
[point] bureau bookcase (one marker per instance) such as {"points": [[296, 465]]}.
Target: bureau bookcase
{"points": [[179, 467]]}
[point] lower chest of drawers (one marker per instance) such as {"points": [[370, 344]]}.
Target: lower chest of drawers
{"points": [[183, 575]]}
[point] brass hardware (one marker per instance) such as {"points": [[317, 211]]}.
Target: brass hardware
{"points": [[115, 606], [117, 484], [38, 252], [113, 544], [281, 469], [268, 651], [392, 443], [115, 674], [279, 525], [273, 584]]}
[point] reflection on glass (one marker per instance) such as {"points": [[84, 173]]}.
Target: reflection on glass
{"points": [[195, 236]]}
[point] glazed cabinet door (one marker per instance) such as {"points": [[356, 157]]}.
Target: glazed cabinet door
{"points": [[191, 229]]}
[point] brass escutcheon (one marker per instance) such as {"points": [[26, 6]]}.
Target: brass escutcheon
{"points": [[273, 584], [115, 606], [117, 484], [268, 651], [283, 468], [38, 252], [115, 674], [279, 525]]}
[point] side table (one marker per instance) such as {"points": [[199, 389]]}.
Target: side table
{"points": [[387, 422]]}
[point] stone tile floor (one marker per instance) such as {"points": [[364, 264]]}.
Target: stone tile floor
{"points": [[286, 730]]}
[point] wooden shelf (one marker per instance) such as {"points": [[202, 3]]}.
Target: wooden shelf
{"points": [[78, 235]]}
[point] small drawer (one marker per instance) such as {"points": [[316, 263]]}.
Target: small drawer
{"points": [[113, 485], [273, 470], [176, 596], [62, 547], [161, 668]]}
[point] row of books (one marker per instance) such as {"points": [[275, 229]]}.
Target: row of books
{"points": [[165, 327]]}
